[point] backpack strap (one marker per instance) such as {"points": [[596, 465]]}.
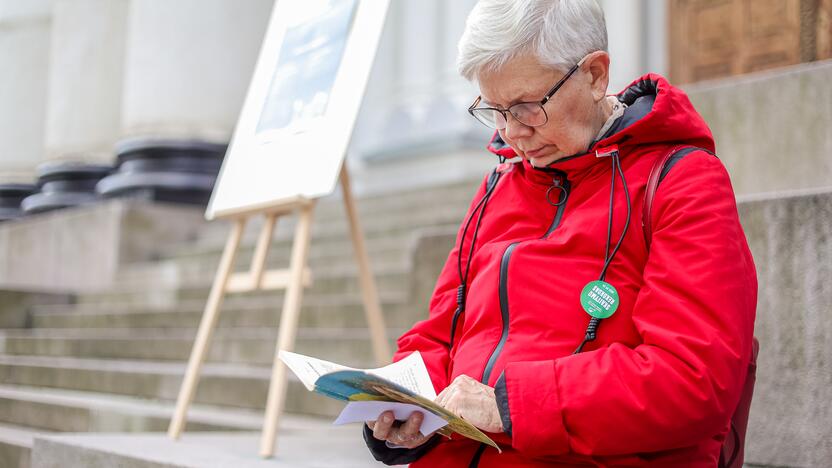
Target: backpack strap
{"points": [[660, 169], [733, 448]]}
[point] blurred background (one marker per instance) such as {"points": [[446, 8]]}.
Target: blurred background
{"points": [[114, 119]]}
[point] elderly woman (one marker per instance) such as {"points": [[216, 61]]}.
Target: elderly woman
{"points": [[581, 320]]}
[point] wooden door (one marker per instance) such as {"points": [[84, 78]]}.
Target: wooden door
{"points": [[717, 38]]}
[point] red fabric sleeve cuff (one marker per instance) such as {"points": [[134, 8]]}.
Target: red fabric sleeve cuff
{"points": [[536, 421]]}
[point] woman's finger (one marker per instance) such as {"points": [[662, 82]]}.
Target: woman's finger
{"points": [[441, 397], [452, 400], [410, 428], [383, 425], [448, 396], [398, 437]]}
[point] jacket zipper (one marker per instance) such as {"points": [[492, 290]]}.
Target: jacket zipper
{"points": [[503, 293], [503, 286]]}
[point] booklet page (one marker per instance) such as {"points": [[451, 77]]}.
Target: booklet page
{"points": [[309, 369]]}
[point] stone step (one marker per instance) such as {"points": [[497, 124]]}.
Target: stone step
{"points": [[16, 444], [201, 271], [406, 199], [394, 281], [319, 446], [396, 225], [236, 345], [226, 385], [282, 242], [331, 212], [320, 312], [73, 411], [200, 265]]}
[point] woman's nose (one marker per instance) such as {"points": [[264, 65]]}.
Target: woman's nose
{"points": [[514, 128]]}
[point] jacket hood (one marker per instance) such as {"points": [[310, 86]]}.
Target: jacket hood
{"points": [[657, 112]]}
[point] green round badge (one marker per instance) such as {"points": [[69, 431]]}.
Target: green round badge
{"points": [[599, 299]]}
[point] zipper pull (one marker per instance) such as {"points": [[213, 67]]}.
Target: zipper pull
{"points": [[562, 194]]}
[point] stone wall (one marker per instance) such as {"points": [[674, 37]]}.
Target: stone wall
{"points": [[791, 240], [772, 129], [82, 249]]}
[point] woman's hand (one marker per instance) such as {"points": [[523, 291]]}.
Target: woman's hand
{"points": [[406, 435], [473, 401]]}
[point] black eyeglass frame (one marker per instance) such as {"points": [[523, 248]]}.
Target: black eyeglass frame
{"points": [[473, 107]]}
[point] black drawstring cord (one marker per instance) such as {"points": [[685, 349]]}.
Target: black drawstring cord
{"points": [[464, 233], [617, 162], [460, 306], [609, 217], [479, 210], [594, 322]]}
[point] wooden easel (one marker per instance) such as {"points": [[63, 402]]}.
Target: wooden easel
{"points": [[292, 280]]}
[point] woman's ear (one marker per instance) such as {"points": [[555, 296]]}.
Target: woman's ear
{"points": [[598, 66]]}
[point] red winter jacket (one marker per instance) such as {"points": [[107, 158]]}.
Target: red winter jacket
{"points": [[659, 384]]}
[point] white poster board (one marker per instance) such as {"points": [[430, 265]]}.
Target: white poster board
{"points": [[301, 105]]}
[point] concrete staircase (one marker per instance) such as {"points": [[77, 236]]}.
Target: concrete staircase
{"points": [[112, 360]]}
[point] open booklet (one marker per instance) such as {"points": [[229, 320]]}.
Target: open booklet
{"points": [[404, 382]]}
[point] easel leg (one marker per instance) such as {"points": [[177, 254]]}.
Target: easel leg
{"points": [[206, 329], [288, 330], [261, 251], [369, 293]]}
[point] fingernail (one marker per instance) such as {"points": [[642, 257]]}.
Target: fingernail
{"points": [[387, 418]]}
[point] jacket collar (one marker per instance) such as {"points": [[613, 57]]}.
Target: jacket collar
{"points": [[569, 167]]}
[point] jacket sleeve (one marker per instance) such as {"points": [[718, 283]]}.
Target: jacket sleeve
{"points": [[396, 456], [430, 337], [695, 314]]}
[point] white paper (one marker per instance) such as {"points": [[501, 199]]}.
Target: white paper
{"points": [[362, 411], [308, 369], [410, 373]]}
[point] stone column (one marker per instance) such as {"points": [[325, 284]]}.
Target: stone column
{"points": [[626, 34], [85, 79], [187, 66], [83, 101], [24, 52]]}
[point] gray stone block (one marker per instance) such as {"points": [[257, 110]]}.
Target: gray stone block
{"points": [[772, 128], [791, 240], [82, 248], [429, 255], [15, 445], [14, 456]]}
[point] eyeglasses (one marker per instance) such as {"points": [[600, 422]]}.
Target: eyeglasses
{"points": [[531, 114]]}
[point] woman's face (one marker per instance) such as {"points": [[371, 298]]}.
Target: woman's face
{"points": [[576, 111]]}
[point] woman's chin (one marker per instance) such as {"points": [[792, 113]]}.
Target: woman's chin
{"points": [[543, 161]]}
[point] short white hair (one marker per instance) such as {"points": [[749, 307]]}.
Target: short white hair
{"points": [[557, 32]]}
